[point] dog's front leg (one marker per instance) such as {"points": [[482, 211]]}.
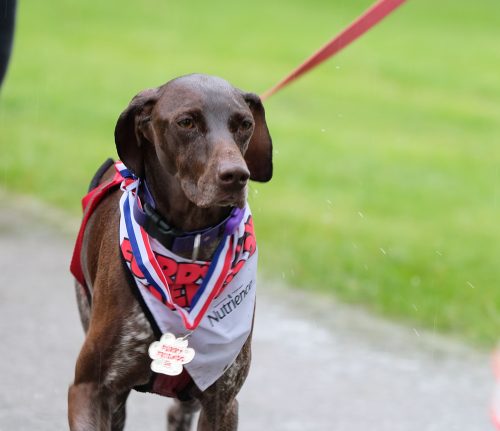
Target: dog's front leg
{"points": [[215, 417], [96, 399], [88, 410], [91, 409], [219, 405]]}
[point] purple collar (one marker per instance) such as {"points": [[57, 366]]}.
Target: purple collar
{"points": [[175, 240]]}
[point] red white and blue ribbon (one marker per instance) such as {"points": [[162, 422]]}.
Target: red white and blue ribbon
{"points": [[149, 266]]}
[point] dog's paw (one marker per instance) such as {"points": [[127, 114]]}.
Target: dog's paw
{"points": [[170, 354]]}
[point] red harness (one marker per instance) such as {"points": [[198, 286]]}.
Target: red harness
{"points": [[89, 204]]}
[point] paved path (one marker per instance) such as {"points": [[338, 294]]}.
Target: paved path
{"points": [[317, 365]]}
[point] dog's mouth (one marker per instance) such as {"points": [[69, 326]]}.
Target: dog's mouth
{"points": [[225, 199], [208, 195], [234, 199]]}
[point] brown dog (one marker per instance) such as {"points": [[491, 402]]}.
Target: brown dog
{"points": [[196, 141]]}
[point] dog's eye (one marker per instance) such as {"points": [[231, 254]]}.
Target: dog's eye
{"points": [[186, 123], [246, 125]]}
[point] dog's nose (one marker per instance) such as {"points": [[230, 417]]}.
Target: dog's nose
{"points": [[233, 176]]}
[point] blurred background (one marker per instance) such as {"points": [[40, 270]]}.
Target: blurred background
{"points": [[387, 160]]}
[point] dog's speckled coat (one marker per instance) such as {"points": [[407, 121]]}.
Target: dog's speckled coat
{"points": [[196, 141]]}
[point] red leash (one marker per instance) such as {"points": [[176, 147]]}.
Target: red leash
{"points": [[371, 17]]}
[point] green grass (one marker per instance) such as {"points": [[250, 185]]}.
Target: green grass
{"points": [[387, 157]]}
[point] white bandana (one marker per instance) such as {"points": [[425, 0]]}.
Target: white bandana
{"points": [[215, 299]]}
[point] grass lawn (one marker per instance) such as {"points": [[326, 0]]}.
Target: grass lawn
{"points": [[386, 187]]}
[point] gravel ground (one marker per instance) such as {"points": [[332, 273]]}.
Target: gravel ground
{"points": [[317, 365]]}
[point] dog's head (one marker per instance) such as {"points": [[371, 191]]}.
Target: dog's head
{"points": [[201, 131]]}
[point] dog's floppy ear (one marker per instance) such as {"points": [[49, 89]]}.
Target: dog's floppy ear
{"points": [[129, 136], [259, 155]]}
